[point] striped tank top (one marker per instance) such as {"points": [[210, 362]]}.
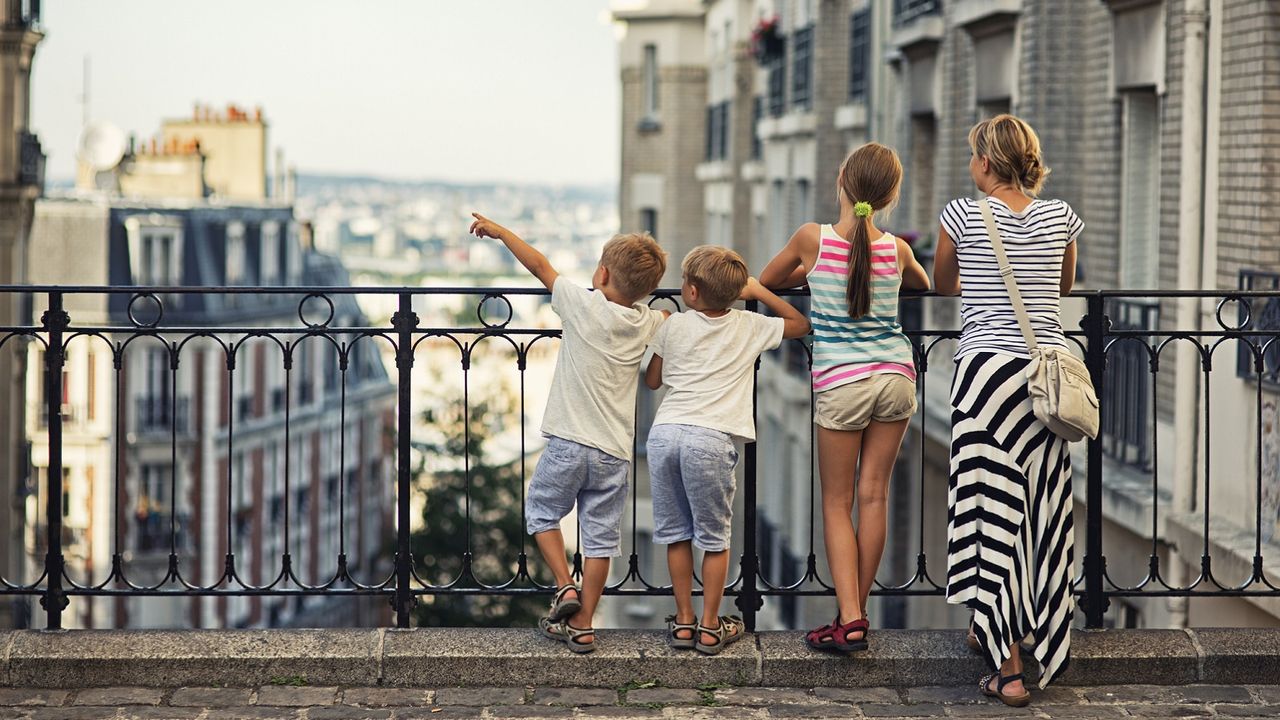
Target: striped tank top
{"points": [[844, 349]]}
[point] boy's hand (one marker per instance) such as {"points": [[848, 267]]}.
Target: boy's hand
{"points": [[484, 227], [752, 290]]}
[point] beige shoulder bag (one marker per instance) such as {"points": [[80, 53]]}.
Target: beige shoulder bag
{"points": [[1062, 394]]}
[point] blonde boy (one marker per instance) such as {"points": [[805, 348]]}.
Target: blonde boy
{"points": [[705, 356], [590, 416]]}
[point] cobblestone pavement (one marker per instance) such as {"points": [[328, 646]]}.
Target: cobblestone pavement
{"points": [[278, 702]]}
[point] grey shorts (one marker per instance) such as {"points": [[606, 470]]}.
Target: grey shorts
{"points": [[568, 473], [887, 397], [691, 476]]}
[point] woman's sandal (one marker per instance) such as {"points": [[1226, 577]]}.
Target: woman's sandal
{"points": [[835, 636], [562, 608], [677, 642], [564, 632], [730, 631], [1001, 681]]}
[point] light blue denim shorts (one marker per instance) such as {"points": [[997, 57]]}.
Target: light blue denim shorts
{"points": [[568, 473], [692, 480]]}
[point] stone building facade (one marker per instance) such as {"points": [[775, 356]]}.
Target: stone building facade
{"points": [[1158, 119]]}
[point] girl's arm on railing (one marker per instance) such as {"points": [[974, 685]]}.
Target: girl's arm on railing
{"points": [[787, 268]]}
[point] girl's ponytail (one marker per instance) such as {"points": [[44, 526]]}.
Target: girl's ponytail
{"points": [[869, 179], [858, 288]]}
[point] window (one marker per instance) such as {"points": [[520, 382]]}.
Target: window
{"points": [[717, 140], [1139, 190], [649, 221], [757, 113], [803, 211], [905, 11], [859, 55], [777, 84], [237, 271], [271, 257], [802, 69], [650, 80]]}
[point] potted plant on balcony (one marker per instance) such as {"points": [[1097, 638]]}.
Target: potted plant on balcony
{"points": [[766, 40]]}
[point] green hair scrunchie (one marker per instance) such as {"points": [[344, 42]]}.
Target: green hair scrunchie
{"points": [[862, 209]]}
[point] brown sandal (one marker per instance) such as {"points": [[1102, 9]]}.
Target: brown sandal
{"points": [[1001, 681]]}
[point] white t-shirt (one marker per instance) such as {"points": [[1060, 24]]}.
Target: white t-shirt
{"points": [[707, 366], [1035, 241], [593, 392]]}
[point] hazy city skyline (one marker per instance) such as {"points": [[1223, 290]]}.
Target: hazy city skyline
{"points": [[501, 90]]}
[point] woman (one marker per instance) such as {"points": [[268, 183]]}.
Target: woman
{"points": [[1009, 530]]}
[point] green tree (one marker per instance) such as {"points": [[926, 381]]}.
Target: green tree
{"points": [[496, 527]]}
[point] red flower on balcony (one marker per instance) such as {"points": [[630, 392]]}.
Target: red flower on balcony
{"points": [[766, 39]]}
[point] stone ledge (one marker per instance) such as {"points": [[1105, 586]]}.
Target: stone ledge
{"points": [[453, 657]]}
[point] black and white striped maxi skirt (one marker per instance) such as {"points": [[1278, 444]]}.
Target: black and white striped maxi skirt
{"points": [[1009, 529]]}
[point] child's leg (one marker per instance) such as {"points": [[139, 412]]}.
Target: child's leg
{"points": [[837, 468], [680, 566], [707, 464], [715, 570], [595, 573], [672, 517], [880, 445], [551, 545], [553, 490]]}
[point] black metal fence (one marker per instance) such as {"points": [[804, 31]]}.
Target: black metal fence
{"points": [[404, 336]]}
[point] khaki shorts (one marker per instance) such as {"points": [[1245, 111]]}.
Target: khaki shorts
{"points": [[885, 397]]}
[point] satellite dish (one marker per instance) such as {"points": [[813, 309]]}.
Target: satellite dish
{"points": [[101, 145]]}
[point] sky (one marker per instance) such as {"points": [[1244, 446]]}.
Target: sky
{"points": [[465, 90]]}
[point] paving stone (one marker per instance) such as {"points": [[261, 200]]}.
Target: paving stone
{"points": [[858, 695], [347, 712], [992, 708], [1267, 693], [766, 696], [575, 697], [529, 711], [1251, 710], [160, 713], [605, 711], [1160, 710], [73, 713], [255, 713], [1101, 712], [117, 696], [480, 696], [664, 696], [1201, 694], [921, 710], [23, 697], [210, 697], [945, 695], [1131, 694], [290, 696], [387, 697], [812, 711], [1055, 695], [457, 711], [715, 713]]}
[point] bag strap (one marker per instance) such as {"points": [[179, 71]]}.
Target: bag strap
{"points": [[1006, 273]]}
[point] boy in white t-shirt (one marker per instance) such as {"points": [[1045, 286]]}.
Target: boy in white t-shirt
{"points": [[590, 416], [706, 357]]}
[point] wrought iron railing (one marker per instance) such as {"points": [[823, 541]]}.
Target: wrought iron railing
{"points": [[791, 573]]}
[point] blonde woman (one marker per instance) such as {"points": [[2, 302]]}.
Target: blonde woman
{"points": [[1009, 530]]}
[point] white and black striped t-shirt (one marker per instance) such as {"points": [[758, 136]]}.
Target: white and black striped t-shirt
{"points": [[1035, 240]]}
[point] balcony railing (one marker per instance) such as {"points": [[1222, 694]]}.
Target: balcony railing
{"points": [[906, 11], [787, 574], [162, 415]]}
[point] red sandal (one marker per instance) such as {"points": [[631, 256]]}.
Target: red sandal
{"points": [[835, 636]]}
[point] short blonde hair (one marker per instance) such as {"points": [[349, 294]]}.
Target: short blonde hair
{"points": [[1013, 149], [635, 262], [718, 272]]}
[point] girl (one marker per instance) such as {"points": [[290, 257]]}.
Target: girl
{"points": [[1007, 469], [863, 373]]}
